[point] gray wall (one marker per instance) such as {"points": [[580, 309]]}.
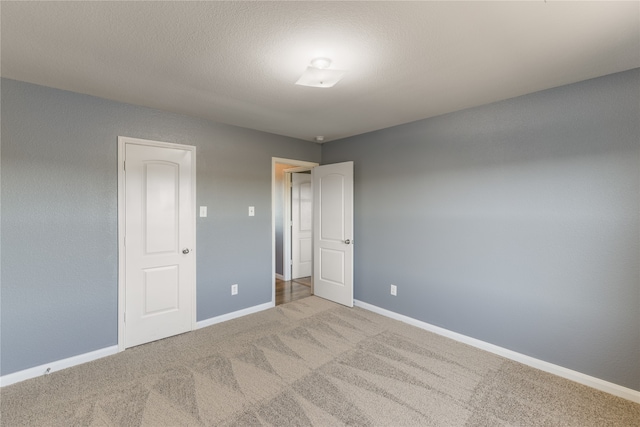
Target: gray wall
{"points": [[515, 223], [59, 216]]}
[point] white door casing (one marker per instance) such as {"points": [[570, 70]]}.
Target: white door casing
{"points": [[298, 166], [157, 273], [301, 225], [333, 232]]}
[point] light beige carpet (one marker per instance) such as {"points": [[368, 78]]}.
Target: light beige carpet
{"points": [[309, 362]]}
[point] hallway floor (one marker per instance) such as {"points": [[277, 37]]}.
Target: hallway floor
{"points": [[292, 290]]}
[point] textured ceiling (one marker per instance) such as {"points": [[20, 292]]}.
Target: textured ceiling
{"points": [[237, 62]]}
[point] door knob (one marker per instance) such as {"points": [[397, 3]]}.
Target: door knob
{"points": [[348, 242], [185, 251]]}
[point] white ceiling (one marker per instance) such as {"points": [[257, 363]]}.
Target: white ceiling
{"points": [[237, 62]]}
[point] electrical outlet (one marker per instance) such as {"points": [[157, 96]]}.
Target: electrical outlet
{"points": [[394, 290], [234, 289]]}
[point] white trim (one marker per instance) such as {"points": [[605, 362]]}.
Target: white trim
{"points": [[56, 366], [286, 228], [121, 235], [122, 141], [234, 315], [279, 276], [299, 169], [292, 162], [597, 383], [108, 351]]}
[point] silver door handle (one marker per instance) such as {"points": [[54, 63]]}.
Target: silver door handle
{"points": [[185, 251], [348, 242]]}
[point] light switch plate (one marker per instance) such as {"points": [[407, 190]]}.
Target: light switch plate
{"points": [[203, 211], [252, 211]]}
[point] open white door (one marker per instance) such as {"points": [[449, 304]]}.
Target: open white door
{"points": [[159, 259], [301, 225], [333, 232]]}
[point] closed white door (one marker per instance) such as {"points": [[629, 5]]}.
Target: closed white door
{"points": [[301, 225], [333, 232], [159, 241]]}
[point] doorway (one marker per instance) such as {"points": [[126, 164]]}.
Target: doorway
{"points": [[298, 234], [332, 261], [284, 288]]}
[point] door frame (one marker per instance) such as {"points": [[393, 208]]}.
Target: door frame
{"points": [[286, 229], [122, 141], [298, 166]]}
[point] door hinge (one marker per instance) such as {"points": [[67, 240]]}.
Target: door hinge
{"points": [[124, 165], [290, 262], [125, 317]]}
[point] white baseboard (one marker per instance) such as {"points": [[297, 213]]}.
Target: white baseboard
{"points": [[56, 366], [597, 383], [234, 315], [279, 276]]}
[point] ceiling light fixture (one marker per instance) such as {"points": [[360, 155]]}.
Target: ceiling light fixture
{"points": [[319, 139], [318, 74], [321, 63]]}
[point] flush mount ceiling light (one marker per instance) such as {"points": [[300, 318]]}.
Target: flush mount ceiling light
{"points": [[321, 63], [318, 74]]}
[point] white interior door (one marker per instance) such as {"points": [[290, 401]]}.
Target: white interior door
{"points": [[159, 242], [301, 225], [333, 232]]}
